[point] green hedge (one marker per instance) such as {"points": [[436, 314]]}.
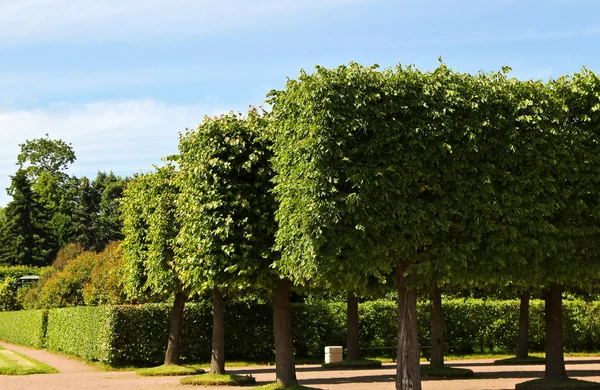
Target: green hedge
{"points": [[85, 331], [18, 271], [24, 327], [137, 335]]}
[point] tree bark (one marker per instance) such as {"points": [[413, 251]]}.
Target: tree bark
{"points": [[352, 343], [173, 354], [555, 359], [217, 358], [408, 372], [523, 339], [282, 330], [437, 329]]}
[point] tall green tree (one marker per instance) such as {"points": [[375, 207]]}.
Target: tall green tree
{"points": [[226, 212], [150, 229], [45, 162], [27, 238], [97, 218]]}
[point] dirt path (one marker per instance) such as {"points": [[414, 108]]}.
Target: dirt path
{"points": [[76, 375], [61, 363]]}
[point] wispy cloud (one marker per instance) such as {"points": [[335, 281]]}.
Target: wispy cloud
{"points": [[122, 136], [525, 36], [49, 20]]}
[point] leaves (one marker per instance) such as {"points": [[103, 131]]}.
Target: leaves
{"points": [[225, 208]]}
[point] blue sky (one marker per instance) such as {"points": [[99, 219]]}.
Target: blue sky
{"points": [[120, 78]]}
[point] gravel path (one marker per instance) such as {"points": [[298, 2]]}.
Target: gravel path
{"points": [[77, 375]]}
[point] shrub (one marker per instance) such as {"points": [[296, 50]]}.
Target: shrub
{"points": [[137, 335], [8, 294], [18, 271], [24, 327], [89, 279], [85, 331]]}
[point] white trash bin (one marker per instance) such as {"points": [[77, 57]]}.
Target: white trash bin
{"points": [[334, 354]]}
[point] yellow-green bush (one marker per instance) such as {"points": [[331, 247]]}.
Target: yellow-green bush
{"points": [[88, 279], [25, 327]]}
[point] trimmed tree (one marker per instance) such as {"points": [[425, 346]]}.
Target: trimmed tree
{"points": [[339, 174], [226, 210], [150, 228]]}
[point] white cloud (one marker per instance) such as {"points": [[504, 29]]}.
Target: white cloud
{"points": [[48, 20], [122, 136]]}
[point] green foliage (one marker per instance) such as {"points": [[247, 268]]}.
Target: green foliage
{"points": [[8, 294], [150, 227], [226, 208], [19, 271], [24, 327], [475, 180], [137, 335], [13, 363], [218, 380], [45, 161], [45, 155], [82, 331], [90, 278], [26, 237], [170, 370], [97, 218]]}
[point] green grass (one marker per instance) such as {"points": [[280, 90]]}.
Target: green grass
{"points": [[354, 364], [218, 380], [521, 361], [171, 370], [446, 372], [567, 384], [275, 386], [13, 363]]}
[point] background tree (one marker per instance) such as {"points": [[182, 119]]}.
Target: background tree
{"points": [[45, 162], [27, 238], [150, 228], [226, 212], [97, 218]]}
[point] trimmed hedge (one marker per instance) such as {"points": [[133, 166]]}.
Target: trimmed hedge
{"points": [[137, 335], [24, 327], [17, 271], [85, 331]]}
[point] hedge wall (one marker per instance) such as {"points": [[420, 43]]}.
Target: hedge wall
{"points": [[85, 331], [24, 327], [137, 335]]}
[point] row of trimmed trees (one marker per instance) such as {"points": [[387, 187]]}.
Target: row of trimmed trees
{"points": [[360, 179]]}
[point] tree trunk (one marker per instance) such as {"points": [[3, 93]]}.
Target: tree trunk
{"points": [[282, 330], [437, 329], [217, 358], [523, 340], [352, 343], [555, 359], [408, 374], [172, 356]]}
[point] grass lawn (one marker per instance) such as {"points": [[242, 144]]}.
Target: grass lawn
{"points": [[275, 386], [13, 363], [171, 370], [521, 361], [446, 372], [218, 380], [354, 364], [567, 384]]}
